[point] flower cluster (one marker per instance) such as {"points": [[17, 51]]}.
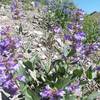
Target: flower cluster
{"points": [[77, 36], [82, 50], [8, 60], [56, 29], [74, 88], [16, 9], [51, 94]]}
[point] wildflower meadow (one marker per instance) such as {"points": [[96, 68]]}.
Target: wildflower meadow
{"points": [[49, 50]]}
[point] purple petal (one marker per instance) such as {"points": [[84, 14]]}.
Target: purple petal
{"points": [[97, 68], [60, 93], [79, 36], [68, 37], [57, 29], [21, 78]]}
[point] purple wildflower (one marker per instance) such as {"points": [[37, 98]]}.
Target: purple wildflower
{"points": [[90, 48], [16, 9], [79, 47], [96, 46], [10, 87], [97, 68], [51, 94], [75, 59], [21, 78], [60, 93], [57, 29], [79, 36], [79, 13], [70, 27], [68, 37], [4, 30], [74, 88], [8, 62], [13, 5]]}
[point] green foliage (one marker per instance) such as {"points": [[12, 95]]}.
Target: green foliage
{"points": [[56, 14], [28, 65], [5, 1], [52, 76], [91, 27], [89, 73], [77, 73]]}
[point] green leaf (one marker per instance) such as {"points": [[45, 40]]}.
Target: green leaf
{"points": [[28, 65], [61, 71], [61, 83], [29, 94], [89, 73], [57, 62], [34, 95], [71, 53], [24, 91], [77, 73]]}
